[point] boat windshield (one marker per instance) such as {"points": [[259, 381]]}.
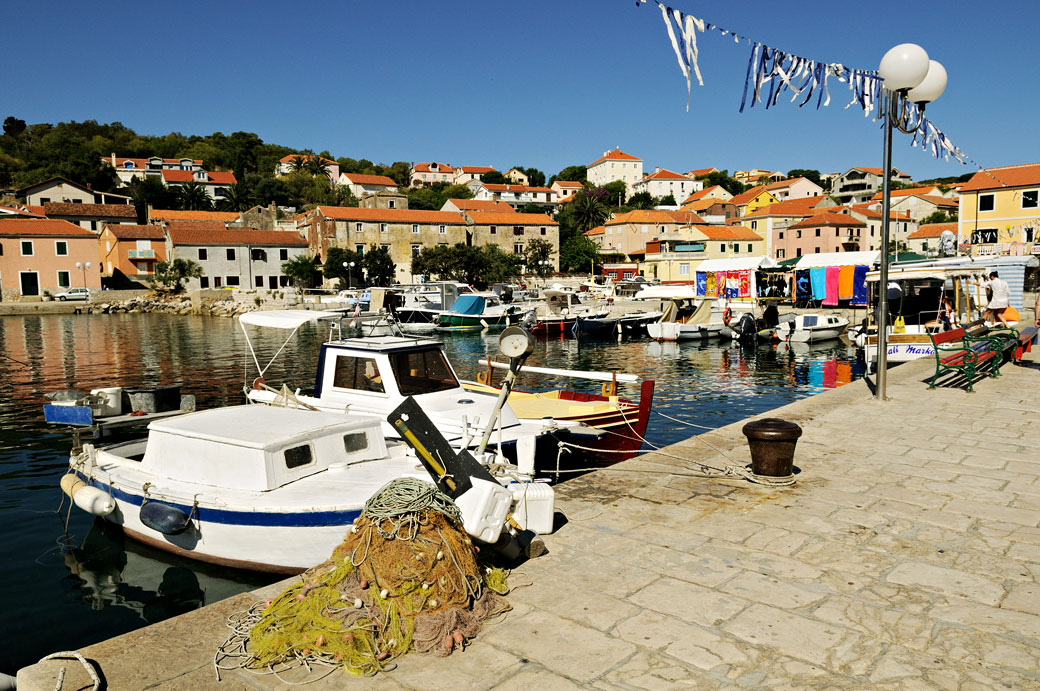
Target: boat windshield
{"points": [[422, 371]]}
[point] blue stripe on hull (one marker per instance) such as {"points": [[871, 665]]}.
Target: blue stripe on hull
{"points": [[228, 517]]}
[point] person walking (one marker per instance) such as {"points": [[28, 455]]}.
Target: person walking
{"points": [[999, 299]]}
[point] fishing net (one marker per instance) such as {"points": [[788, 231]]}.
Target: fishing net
{"points": [[406, 577]]}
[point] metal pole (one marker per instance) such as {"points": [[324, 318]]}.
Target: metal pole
{"points": [[886, 189]]}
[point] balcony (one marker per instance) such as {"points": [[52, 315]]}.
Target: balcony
{"points": [[142, 254]]}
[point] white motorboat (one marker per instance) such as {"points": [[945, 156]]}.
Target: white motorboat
{"points": [[373, 376], [680, 321], [423, 303], [253, 487], [811, 328]]}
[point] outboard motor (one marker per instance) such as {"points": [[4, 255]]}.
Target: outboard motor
{"points": [[746, 328]]}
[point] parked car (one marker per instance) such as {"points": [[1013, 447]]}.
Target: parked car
{"points": [[73, 294]]}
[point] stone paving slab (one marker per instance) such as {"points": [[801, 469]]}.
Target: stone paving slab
{"points": [[907, 556]]}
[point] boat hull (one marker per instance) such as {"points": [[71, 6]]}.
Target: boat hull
{"points": [[674, 331]]}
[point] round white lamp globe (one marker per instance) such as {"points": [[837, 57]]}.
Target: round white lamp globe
{"points": [[932, 87], [903, 67]]}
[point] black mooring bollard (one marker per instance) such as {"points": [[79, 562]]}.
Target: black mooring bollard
{"points": [[772, 443]]}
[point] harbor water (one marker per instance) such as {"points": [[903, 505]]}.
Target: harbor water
{"points": [[69, 582]]}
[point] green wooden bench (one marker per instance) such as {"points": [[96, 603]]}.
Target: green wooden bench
{"points": [[1024, 344], [962, 357]]}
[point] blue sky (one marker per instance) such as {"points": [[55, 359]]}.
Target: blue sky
{"points": [[538, 83]]}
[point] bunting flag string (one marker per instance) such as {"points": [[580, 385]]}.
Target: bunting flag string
{"points": [[772, 72]]}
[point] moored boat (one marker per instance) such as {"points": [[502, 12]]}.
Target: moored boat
{"points": [[479, 311], [811, 328]]}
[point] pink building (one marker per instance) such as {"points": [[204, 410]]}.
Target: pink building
{"points": [[821, 232], [38, 255]]}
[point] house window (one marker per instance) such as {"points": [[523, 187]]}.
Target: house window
{"points": [[494, 230], [232, 280], [360, 249], [837, 232], [218, 282], [985, 202], [518, 247], [258, 281], [383, 246], [384, 228], [984, 236], [415, 228], [391, 204], [542, 230], [203, 254], [63, 279], [817, 250], [416, 249], [230, 254], [722, 247], [1030, 199], [817, 232], [799, 234], [749, 247], [799, 252], [518, 230], [61, 248], [779, 254], [357, 227], [1029, 235], [442, 230], [45, 200], [684, 269], [203, 282], [754, 225], [258, 255], [27, 248]]}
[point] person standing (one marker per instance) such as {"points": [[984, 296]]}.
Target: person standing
{"points": [[999, 300]]}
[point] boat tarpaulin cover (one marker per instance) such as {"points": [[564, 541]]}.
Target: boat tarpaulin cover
{"points": [[468, 304], [285, 319]]}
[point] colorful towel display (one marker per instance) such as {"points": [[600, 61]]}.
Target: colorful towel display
{"points": [[845, 280], [818, 277], [701, 283], [859, 286], [802, 285], [831, 286]]}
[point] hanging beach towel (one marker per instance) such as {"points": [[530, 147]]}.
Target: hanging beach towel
{"points": [[818, 277], [859, 286], [745, 284], [831, 286], [845, 281], [701, 283], [710, 285], [720, 283], [802, 285]]}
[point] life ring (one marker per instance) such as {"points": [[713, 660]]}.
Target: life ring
{"points": [[726, 316], [259, 383]]}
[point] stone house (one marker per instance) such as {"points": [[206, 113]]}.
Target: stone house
{"points": [[91, 216], [512, 231], [628, 233], [239, 258]]}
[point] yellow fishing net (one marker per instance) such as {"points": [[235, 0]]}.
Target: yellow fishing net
{"points": [[406, 577]]}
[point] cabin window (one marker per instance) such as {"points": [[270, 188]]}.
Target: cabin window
{"points": [[422, 371], [354, 442], [298, 456], [359, 373], [809, 320]]}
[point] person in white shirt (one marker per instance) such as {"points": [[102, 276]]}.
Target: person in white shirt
{"points": [[999, 299]]}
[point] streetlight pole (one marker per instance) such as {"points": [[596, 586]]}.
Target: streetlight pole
{"points": [[909, 77], [83, 267], [349, 266]]}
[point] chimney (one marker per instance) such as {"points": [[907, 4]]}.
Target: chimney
{"points": [[113, 159]]}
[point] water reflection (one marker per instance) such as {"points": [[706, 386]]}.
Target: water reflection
{"points": [[104, 586]]}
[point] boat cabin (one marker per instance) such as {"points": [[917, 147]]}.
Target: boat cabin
{"points": [[383, 366], [257, 447]]}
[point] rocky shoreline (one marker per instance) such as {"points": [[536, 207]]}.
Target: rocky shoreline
{"points": [[184, 304]]}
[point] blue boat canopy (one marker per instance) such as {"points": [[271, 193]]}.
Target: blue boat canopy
{"points": [[468, 304]]}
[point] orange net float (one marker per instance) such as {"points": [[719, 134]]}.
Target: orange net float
{"points": [[259, 383]]}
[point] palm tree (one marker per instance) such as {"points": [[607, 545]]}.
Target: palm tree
{"points": [[589, 210], [193, 197], [298, 163], [318, 166], [236, 198]]}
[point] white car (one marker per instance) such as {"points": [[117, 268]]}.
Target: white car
{"points": [[73, 294]]}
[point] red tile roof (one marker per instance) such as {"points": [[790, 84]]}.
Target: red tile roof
{"points": [[727, 232], [20, 210], [95, 210], [932, 230], [196, 226], [175, 215], [785, 183], [827, 218], [1021, 175], [217, 177], [475, 169], [268, 238], [42, 226], [569, 183], [802, 206], [214, 178], [615, 155], [745, 197], [350, 213], [425, 168], [905, 191], [701, 172], [598, 230], [510, 219], [359, 179], [481, 205], [135, 232], [665, 175], [656, 216]]}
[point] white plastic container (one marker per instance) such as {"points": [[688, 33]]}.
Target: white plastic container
{"points": [[535, 505], [111, 401], [484, 509]]}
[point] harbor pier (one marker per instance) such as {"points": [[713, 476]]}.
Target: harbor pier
{"points": [[906, 556]]}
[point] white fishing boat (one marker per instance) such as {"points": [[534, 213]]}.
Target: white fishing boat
{"points": [[422, 304], [253, 487], [681, 321], [811, 328], [373, 376]]}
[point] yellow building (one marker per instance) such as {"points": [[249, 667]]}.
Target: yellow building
{"points": [[1000, 211], [755, 198]]}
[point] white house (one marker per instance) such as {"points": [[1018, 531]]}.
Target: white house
{"points": [[662, 183], [285, 165], [464, 174], [616, 165], [794, 188], [514, 195], [360, 185], [565, 189]]}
